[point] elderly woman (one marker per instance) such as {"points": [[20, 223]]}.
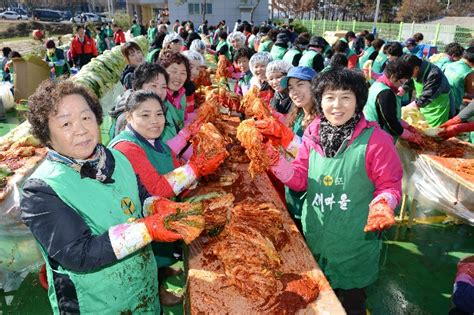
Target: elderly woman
{"points": [[258, 66], [277, 70], [84, 207], [236, 40]]}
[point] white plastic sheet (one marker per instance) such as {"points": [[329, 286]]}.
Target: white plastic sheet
{"points": [[435, 187]]}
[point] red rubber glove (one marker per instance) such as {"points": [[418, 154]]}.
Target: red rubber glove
{"points": [[453, 121], [276, 131], [191, 129], [156, 228], [203, 166], [381, 216], [163, 206], [454, 130]]}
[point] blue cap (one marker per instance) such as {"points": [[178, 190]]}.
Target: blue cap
{"points": [[302, 73]]}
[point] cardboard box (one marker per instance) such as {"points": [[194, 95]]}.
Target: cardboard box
{"points": [[29, 73]]}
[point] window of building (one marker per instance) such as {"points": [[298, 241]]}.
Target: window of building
{"points": [[208, 8], [198, 8], [193, 8]]}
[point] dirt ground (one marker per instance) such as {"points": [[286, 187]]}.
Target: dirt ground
{"points": [[21, 44]]}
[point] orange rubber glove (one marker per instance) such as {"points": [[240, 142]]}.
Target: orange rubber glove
{"points": [[156, 228], [381, 216], [203, 166], [275, 131]]}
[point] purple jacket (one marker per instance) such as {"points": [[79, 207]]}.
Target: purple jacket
{"points": [[382, 163]]}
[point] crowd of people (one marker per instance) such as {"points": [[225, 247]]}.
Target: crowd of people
{"points": [[336, 115]]}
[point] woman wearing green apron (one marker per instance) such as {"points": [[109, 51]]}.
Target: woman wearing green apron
{"points": [[84, 206], [352, 174], [161, 172], [432, 91], [383, 104]]}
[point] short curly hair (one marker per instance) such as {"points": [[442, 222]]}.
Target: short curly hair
{"points": [[169, 57], [340, 79], [44, 103]]}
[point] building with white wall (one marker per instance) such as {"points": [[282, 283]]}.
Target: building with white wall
{"points": [[218, 10]]}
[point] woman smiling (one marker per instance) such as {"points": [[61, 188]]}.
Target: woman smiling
{"points": [[78, 204]]}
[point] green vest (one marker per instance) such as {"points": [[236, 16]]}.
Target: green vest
{"points": [[295, 199], [370, 108], [163, 164], [151, 34], [442, 63], [290, 55], [369, 51], [308, 58], [130, 284], [335, 213], [436, 112], [58, 70], [379, 62], [456, 73], [100, 39], [151, 55], [174, 120], [161, 161], [265, 46], [277, 52], [219, 46], [136, 30]]}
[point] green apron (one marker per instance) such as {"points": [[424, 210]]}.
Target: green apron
{"points": [[161, 161], [436, 112], [277, 52], [174, 120], [265, 46], [308, 58], [377, 66], [456, 73], [135, 30], [100, 39], [163, 164], [442, 63], [335, 213], [290, 55], [150, 57], [58, 70], [219, 46], [151, 34], [369, 51], [129, 285], [295, 199], [370, 108]]}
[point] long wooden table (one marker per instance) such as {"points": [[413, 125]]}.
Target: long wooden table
{"points": [[207, 289]]}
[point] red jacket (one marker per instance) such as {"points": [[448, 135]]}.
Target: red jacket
{"points": [[155, 183], [119, 37], [87, 47]]}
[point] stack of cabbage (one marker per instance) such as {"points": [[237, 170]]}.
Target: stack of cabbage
{"points": [[103, 72]]}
